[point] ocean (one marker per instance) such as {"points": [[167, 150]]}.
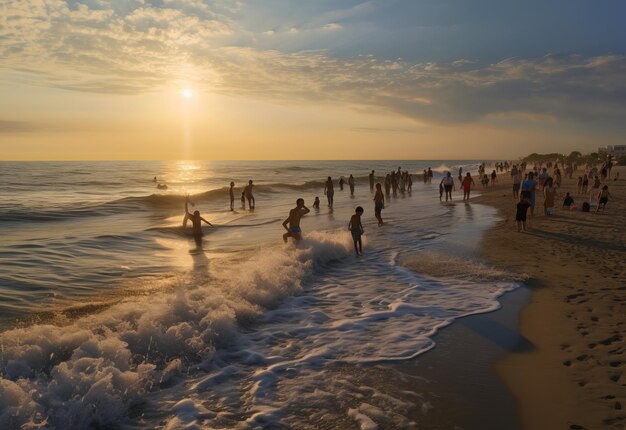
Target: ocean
{"points": [[113, 316]]}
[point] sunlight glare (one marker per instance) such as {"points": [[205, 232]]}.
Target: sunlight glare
{"points": [[186, 93]]}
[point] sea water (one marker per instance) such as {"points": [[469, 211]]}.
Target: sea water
{"points": [[114, 317]]}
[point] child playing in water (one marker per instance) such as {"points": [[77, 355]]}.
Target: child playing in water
{"points": [[316, 203], [522, 209], [356, 228]]}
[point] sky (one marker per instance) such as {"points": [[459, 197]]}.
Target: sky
{"points": [[317, 79]]}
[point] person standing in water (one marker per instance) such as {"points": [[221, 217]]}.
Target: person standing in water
{"points": [[448, 185], [293, 220], [248, 194], [371, 178], [231, 192], [467, 183], [356, 229], [379, 204], [351, 183], [329, 191]]}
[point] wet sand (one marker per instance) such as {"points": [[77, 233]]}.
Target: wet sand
{"points": [[571, 376]]}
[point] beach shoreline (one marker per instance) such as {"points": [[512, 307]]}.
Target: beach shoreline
{"points": [[571, 376]]}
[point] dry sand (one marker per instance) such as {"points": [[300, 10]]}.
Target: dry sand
{"points": [[573, 376]]}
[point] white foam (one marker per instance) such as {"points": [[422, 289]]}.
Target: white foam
{"points": [[252, 343], [93, 370]]}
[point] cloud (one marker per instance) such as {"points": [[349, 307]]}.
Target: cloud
{"points": [[106, 46], [7, 126], [332, 26]]}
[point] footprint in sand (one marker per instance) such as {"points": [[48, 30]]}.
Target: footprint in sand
{"points": [[610, 340]]}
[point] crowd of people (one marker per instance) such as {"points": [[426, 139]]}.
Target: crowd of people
{"points": [[545, 178]]}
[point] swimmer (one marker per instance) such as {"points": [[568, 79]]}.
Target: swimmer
{"points": [[293, 220], [196, 221]]}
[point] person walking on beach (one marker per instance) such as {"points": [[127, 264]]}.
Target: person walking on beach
{"points": [[351, 184], [293, 220], [371, 178], [231, 192], [517, 179], [379, 204], [494, 178], [530, 186], [522, 209], [549, 193], [603, 197], [356, 229], [579, 185], [448, 185], [341, 182], [249, 196], [585, 183], [467, 183], [329, 191]]}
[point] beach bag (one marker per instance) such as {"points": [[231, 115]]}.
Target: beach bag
{"points": [[586, 207]]}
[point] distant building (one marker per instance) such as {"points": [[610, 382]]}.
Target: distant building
{"points": [[614, 150]]}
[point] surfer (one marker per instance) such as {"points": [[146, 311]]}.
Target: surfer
{"points": [[293, 220]]}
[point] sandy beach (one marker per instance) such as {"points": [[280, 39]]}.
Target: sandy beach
{"points": [[572, 376]]}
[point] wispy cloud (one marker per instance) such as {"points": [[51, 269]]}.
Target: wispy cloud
{"points": [[7, 126], [141, 45]]}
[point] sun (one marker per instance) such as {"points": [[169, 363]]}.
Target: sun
{"points": [[186, 93]]}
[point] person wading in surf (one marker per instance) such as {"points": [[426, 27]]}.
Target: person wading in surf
{"points": [[293, 220]]}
